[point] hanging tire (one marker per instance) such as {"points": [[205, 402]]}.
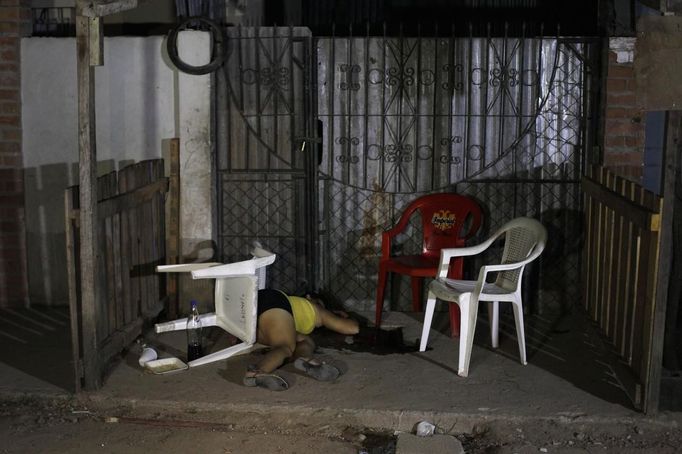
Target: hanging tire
{"points": [[218, 37]]}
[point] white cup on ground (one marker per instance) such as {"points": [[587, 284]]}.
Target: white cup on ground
{"points": [[148, 354]]}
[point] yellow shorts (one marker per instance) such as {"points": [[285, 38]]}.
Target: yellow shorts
{"points": [[304, 314]]}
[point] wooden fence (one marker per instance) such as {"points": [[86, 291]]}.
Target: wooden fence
{"points": [[621, 271], [131, 243]]}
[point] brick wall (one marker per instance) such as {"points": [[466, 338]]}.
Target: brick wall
{"points": [[14, 23], [624, 123]]}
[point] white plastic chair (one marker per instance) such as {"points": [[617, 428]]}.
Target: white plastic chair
{"points": [[525, 240], [236, 300]]}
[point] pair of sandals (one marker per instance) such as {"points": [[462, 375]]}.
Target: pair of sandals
{"points": [[273, 382]]}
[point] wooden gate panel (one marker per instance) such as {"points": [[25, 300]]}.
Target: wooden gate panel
{"points": [[621, 266], [131, 225]]}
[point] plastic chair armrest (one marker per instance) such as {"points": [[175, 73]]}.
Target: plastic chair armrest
{"points": [[449, 253]]}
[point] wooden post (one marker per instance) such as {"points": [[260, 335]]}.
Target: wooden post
{"points": [[173, 225], [670, 162], [85, 27]]}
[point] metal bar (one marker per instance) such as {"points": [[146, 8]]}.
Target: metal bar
{"points": [[295, 157], [331, 113], [259, 107], [349, 109], [485, 102], [382, 149], [367, 104], [415, 167], [401, 96], [434, 103], [274, 64], [467, 141]]}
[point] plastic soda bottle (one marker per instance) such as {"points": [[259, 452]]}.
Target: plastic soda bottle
{"points": [[194, 349]]}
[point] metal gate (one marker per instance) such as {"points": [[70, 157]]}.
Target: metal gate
{"points": [[265, 126], [505, 120]]}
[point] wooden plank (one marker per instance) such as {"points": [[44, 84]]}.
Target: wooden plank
{"points": [[108, 272], [88, 201], [121, 339], [154, 232], [641, 217], [101, 8], [634, 276], [157, 238], [137, 197], [665, 261], [621, 294], [601, 247], [139, 222], [96, 42], [117, 268], [74, 313], [146, 239], [608, 263], [617, 274], [125, 253], [587, 253], [642, 303], [172, 226]]}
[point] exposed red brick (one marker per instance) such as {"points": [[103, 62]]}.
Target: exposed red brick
{"points": [[11, 120], [9, 56], [614, 141], [9, 40], [623, 112], [9, 27], [626, 158], [9, 79], [10, 134], [621, 71], [9, 67], [621, 99], [10, 147], [632, 84], [10, 160], [7, 14], [9, 94], [637, 141], [9, 107], [615, 127], [616, 84]]}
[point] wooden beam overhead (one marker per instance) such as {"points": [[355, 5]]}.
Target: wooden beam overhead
{"points": [[101, 8]]}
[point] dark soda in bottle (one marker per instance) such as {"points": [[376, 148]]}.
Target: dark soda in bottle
{"points": [[194, 349]]}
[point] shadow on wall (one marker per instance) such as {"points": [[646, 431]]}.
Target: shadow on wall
{"points": [[36, 341], [45, 229]]}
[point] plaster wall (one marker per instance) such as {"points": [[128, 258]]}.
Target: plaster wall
{"points": [[140, 100]]}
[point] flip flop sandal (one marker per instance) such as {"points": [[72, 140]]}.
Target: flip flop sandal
{"points": [[321, 372], [272, 382]]}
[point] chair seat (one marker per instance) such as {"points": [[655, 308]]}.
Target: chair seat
{"points": [[450, 289], [412, 265]]}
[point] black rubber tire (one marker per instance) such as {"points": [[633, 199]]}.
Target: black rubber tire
{"points": [[218, 36]]}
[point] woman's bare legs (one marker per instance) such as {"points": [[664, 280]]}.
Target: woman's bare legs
{"points": [[276, 329]]}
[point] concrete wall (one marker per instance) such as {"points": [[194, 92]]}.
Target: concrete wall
{"points": [[141, 100]]}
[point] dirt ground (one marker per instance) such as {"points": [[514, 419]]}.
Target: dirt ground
{"points": [[66, 426]]}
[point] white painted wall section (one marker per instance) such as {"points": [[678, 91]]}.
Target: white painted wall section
{"points": [[141, 99]]}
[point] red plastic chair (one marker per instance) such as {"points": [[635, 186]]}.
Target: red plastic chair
{"points": [[443, 217]]}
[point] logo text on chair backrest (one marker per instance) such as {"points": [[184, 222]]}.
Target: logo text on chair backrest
{"points": [[443, 219]]}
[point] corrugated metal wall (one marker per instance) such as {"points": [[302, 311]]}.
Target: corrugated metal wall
{"points": [[503, 119]]}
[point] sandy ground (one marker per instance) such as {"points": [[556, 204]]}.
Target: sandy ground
{"points": [[58, 426]]}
